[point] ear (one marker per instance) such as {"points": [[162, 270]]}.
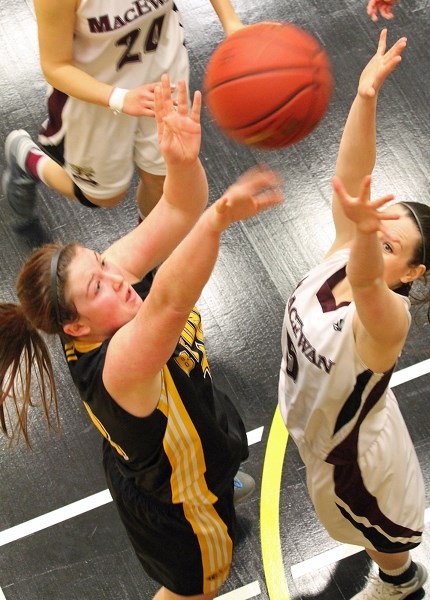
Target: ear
{"points": [[76, 329], [413, 274]]}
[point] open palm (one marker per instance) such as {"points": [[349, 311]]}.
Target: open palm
{"points": [[366, 214], [179, 130], [380, 65]]}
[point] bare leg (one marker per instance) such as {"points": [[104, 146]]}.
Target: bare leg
{"points": [[58, 179], [388, 562], [149, 191]]}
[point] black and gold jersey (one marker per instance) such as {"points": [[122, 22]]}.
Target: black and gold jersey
{"points": [[189, 449]]}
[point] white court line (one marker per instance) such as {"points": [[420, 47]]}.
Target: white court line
{"points": [[409, 373], [243, 593], [331, 556], [254, 436], [251, 590], [77, 508], [54, 517]]}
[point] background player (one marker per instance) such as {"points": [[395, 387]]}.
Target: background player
{"points": [[102, 61]]}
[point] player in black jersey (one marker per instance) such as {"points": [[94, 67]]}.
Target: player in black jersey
{"points": [[172, 443]]}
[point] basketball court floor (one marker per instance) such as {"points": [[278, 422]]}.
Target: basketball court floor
{"points": [[60, 537]]}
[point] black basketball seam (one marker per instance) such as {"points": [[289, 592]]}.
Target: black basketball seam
{"points": [[308, 52], [272, 112], [255, 73]]}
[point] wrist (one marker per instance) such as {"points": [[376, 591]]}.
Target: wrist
{"points": [[117, 99], [217, 222]]}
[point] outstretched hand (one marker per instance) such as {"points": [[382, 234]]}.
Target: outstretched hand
{"points": [[385, 8], [255, 191], [179, 130], [380, 65], [361, 210]]}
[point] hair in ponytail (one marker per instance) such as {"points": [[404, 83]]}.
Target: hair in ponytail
{"points": [[24, 358], [25, 365]]}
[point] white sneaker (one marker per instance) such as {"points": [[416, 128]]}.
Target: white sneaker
{"points": [[243, 487], [18, 185], [377, 589]]}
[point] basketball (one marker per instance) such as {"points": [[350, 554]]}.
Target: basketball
{"points": [[268, 85]]}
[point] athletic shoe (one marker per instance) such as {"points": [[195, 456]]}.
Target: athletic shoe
{"points": [[18, 185], [243, 487], [377, 589]]}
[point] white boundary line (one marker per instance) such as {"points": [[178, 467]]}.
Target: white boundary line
{"points": [[331, 556], [251, 590], [77, 508], [409, 373], [74, 509], [96, 500], [54, 517]]}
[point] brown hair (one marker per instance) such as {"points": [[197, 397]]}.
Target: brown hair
{"points": [[25, 361], [420, 215]]}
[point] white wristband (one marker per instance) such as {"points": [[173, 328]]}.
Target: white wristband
{"points": [[116, 99]]}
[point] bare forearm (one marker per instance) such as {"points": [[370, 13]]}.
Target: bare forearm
{"points": [[357, 151], [365, 265], [74, 82], [181, 278], [186, 186], [227, 15]]}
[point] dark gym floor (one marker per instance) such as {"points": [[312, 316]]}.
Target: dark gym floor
{"points": [[55, 549]]}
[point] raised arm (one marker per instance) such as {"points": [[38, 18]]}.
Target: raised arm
{"points": [[227, 16], [357, 150], [185, 192], [382, 323], [142, 347]]}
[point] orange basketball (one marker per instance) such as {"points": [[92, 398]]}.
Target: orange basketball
{"points": [[268, 85]]}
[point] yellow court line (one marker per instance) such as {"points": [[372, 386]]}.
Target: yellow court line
{"points": [[271, 549]]}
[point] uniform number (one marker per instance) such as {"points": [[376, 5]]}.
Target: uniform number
{"points": [[130, 41], [292, 362]]}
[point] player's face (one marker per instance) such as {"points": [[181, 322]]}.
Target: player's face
{"points": [[399, 251], [104, 300]]}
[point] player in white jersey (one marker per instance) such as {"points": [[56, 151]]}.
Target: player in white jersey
{"points": [[344, 328], [102, 59]]}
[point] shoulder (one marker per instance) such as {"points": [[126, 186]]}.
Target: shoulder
{"points": [[86, 362]]}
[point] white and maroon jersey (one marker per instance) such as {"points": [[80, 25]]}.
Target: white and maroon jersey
{"points": [[126, 43], [325, 389], [120, 42]]}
